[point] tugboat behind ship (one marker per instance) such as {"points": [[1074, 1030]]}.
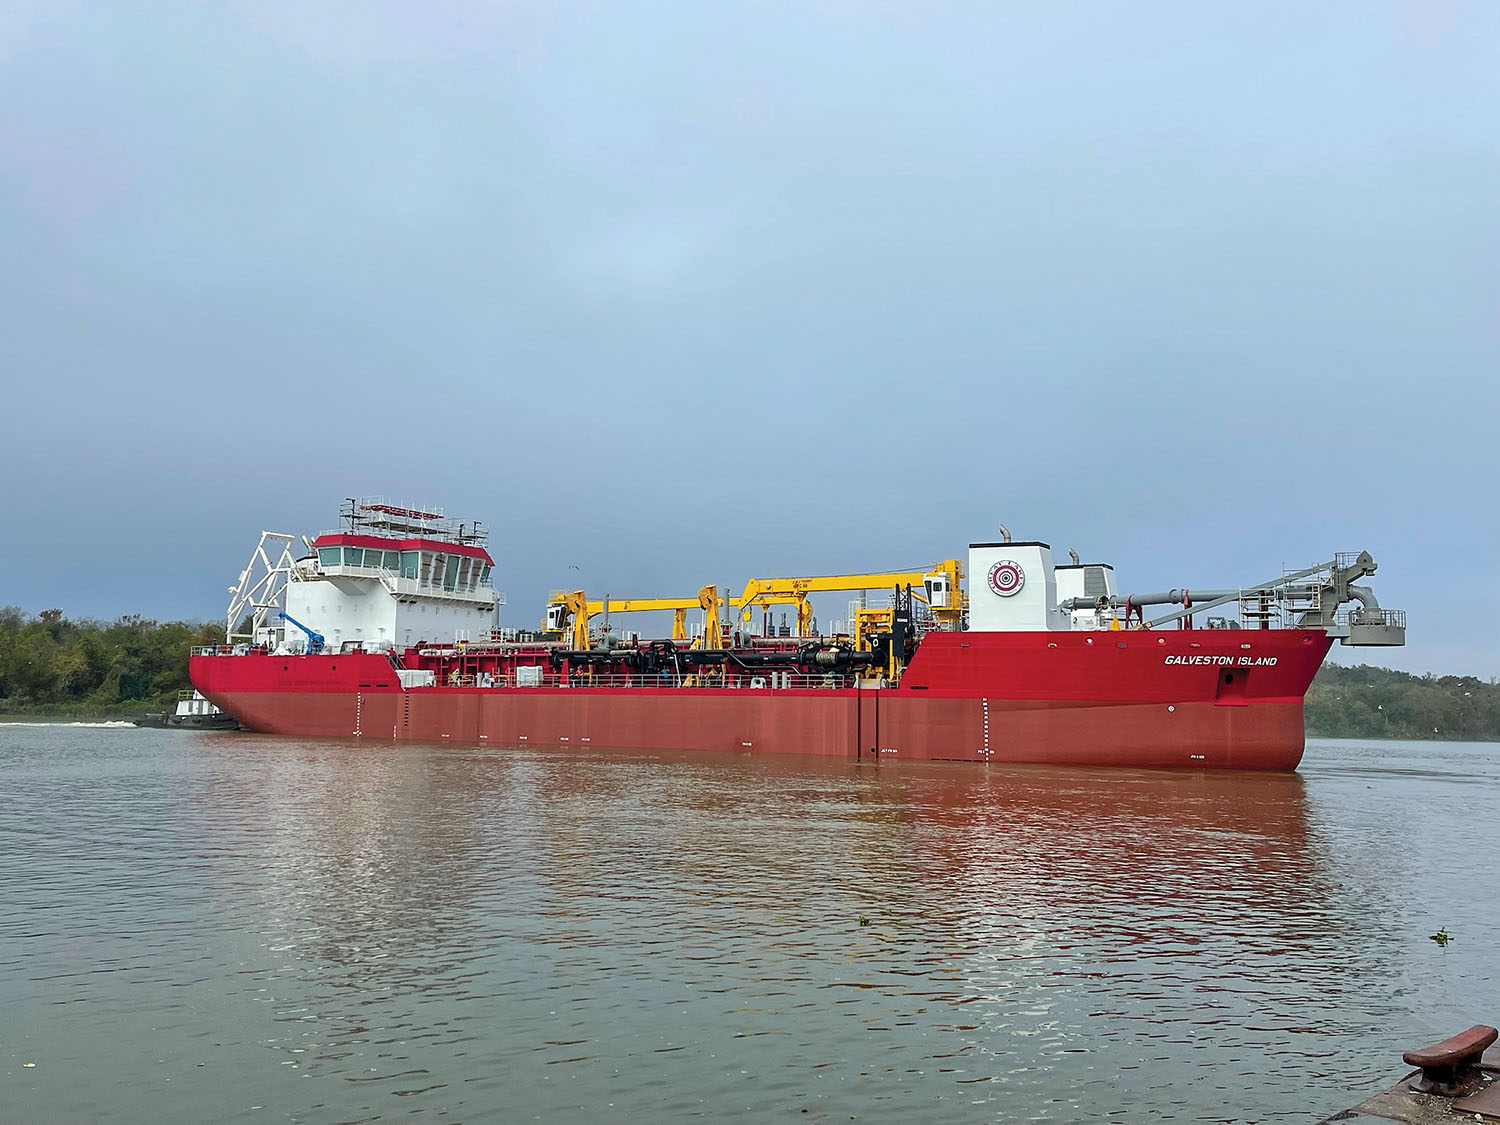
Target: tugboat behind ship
{"points": [[193, 713]]}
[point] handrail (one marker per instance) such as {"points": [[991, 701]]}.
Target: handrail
{"points": [[784, 681], [583, 680], [1361, 615]]}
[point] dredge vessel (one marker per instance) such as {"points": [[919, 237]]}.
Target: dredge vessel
{"points": [[387, 628]]}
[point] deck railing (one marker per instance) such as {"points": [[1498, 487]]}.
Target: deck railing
{"points": [[783, 681], [708, 678], [1360, 615]]}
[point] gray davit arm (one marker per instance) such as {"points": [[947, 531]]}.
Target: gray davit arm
{"points": [[1313, 597]]}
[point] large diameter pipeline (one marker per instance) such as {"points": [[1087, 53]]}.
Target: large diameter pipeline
{"points": [[806, 658], [1166, 597]]}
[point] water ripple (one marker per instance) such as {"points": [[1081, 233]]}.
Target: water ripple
{"points": [[211, 927]]}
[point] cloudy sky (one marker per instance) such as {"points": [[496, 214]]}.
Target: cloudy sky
{"points": [[677, 293]]}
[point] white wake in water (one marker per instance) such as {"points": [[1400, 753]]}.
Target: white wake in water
{"points": [[70, 723]]}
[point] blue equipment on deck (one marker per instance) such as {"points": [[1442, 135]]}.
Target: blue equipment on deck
{"points": [[315, 640]]}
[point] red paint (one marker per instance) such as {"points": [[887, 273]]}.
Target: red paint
{"points": [[1126, 698], [438, 546]]}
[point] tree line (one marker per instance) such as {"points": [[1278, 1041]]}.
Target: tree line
{"points": [[1368, 702], [52, 665]]}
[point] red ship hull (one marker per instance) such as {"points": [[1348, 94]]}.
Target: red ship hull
{"points": [[1199, 699]]}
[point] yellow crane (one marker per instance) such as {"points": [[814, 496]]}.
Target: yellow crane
{"points": [[780, 597], [939, 586], [578, 608], [568, 610]]}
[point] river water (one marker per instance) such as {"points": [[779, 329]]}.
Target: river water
{"points": [[230, 927]]}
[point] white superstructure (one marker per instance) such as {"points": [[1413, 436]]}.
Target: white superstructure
{"points": [[1086, 580], [390, 598], [389, 578], [1013, 586]]}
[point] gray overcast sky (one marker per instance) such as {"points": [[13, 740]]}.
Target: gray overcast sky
{"points": [[682, 293]]}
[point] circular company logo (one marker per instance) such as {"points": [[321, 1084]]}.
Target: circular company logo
{"points": [[1007, 577]]}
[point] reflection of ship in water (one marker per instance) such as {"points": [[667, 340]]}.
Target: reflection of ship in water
{"points": [[397, 851], [1137, 919], [1013, 858], [1035, 923], [1137, 854], [1146, 834], [1110, 912], [370, 871], [1115, 859]]}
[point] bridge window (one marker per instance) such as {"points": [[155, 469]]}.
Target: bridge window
{"points": [[393, 560], [328, 556], [436, 577], [354, 556]]}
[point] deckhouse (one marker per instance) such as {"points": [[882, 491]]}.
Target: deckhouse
{"points": [[387, 578]]}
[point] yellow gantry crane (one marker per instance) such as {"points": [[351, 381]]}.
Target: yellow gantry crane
{"points": [[577, 609]]}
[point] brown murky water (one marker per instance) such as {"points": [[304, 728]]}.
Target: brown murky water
{"points": [[207, 927]]}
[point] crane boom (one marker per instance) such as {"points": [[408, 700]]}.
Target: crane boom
{"points": [[315, 641], [939, 586], [579, 609]]}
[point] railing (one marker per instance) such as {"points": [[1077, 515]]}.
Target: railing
{"points": [[785, 681], [405, 522], [1259, 608], [1359, 615], [770, 681]]}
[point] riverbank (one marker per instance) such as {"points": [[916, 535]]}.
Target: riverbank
{"points": [[1363, 701], [63, 713], [55, 667]]}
